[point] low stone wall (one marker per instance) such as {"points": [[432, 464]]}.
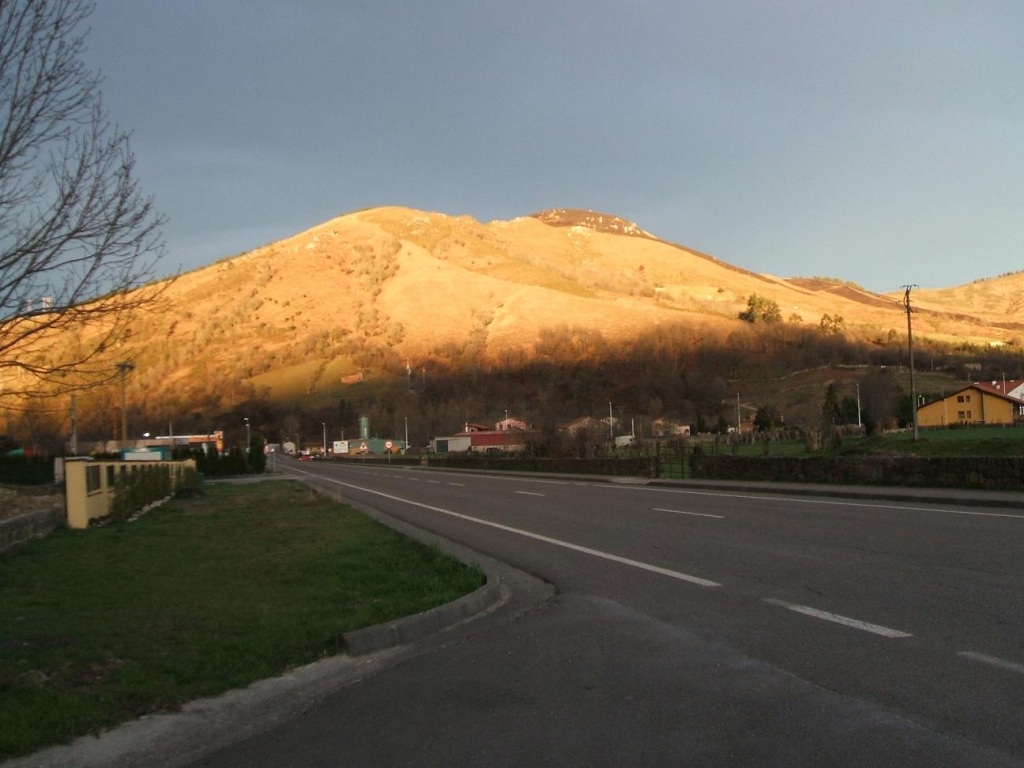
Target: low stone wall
{"points": [[989, 473], [16, 531]]}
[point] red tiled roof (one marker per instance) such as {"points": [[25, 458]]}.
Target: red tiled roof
{"points": [[996, 388]]}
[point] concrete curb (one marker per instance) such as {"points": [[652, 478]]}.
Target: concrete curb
{"points": [[411, 628]]}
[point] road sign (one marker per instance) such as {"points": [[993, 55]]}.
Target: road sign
{"points": [[388, 445]]}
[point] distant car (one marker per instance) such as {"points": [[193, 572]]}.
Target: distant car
{"points": [[305, 457]]}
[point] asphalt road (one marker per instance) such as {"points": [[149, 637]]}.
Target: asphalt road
{"points": [[689, 627]]}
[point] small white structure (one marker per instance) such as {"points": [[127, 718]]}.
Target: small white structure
{"points": [[453, 444]]}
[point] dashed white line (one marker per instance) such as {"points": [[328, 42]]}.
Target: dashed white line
{"points": [[528, 534], [695, 514], [837, 619], [994, 661], [435, 482], [530, 493], [460, 485]]}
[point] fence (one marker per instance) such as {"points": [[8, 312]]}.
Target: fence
{"points": [[99, 488], [1004, 473]]}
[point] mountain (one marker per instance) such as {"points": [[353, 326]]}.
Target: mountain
{"points": [[394, 289]]}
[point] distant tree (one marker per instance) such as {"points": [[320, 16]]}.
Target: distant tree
{"points": [[830, 408], [904, 409], [77, 239], [234, 463], [810, 422], [848, 410], [766, 418], [256, 461], [832, 325], [761, 310], [878, 393]]}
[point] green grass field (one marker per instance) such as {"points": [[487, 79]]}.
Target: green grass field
{"points": [[195, 598], [971, 441]]}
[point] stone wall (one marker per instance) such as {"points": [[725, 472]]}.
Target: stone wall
{"points": [[989, 473], [16, 531]]}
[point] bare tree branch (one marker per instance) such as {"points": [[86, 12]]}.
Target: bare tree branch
{"points": [[79, 242]]}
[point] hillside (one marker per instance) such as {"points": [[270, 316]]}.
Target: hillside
{"points": [[394, 290], [999, 301]]}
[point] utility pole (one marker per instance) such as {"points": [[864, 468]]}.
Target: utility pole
{"points": [[738, 429], [124, 368], [910, 348], [611, 423], [858, 406], [74, 426]]}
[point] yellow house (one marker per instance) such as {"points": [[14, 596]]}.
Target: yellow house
{"points": [[979, 403]]}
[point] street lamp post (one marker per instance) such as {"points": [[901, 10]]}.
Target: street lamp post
{"points": [[611, 423], [858, 405], [406, 432], [324, 425], [248, 435]]}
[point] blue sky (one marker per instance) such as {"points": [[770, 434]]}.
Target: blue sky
{"points": [[878, 142]]}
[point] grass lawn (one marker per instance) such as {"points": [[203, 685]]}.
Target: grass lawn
{"points": [[971, 441], [197, 597]]}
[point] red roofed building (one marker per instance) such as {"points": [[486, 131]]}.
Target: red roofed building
{"points": [[981, 403], [508, 435]]}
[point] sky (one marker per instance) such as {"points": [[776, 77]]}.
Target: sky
{"points": [[879, 142]]}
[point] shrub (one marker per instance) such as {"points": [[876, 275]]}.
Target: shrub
{"points": [[137, 486], [25, 470]]}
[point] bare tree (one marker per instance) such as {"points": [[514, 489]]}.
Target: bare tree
{"points": [[809, 421], [78, 241]]}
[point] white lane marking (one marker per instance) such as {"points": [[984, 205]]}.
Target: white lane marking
{"points": [[530, 493], [528, 534], [995, 661], [460, 485], [772, 497], [435, 482], [835, 617], [681, 512]]}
